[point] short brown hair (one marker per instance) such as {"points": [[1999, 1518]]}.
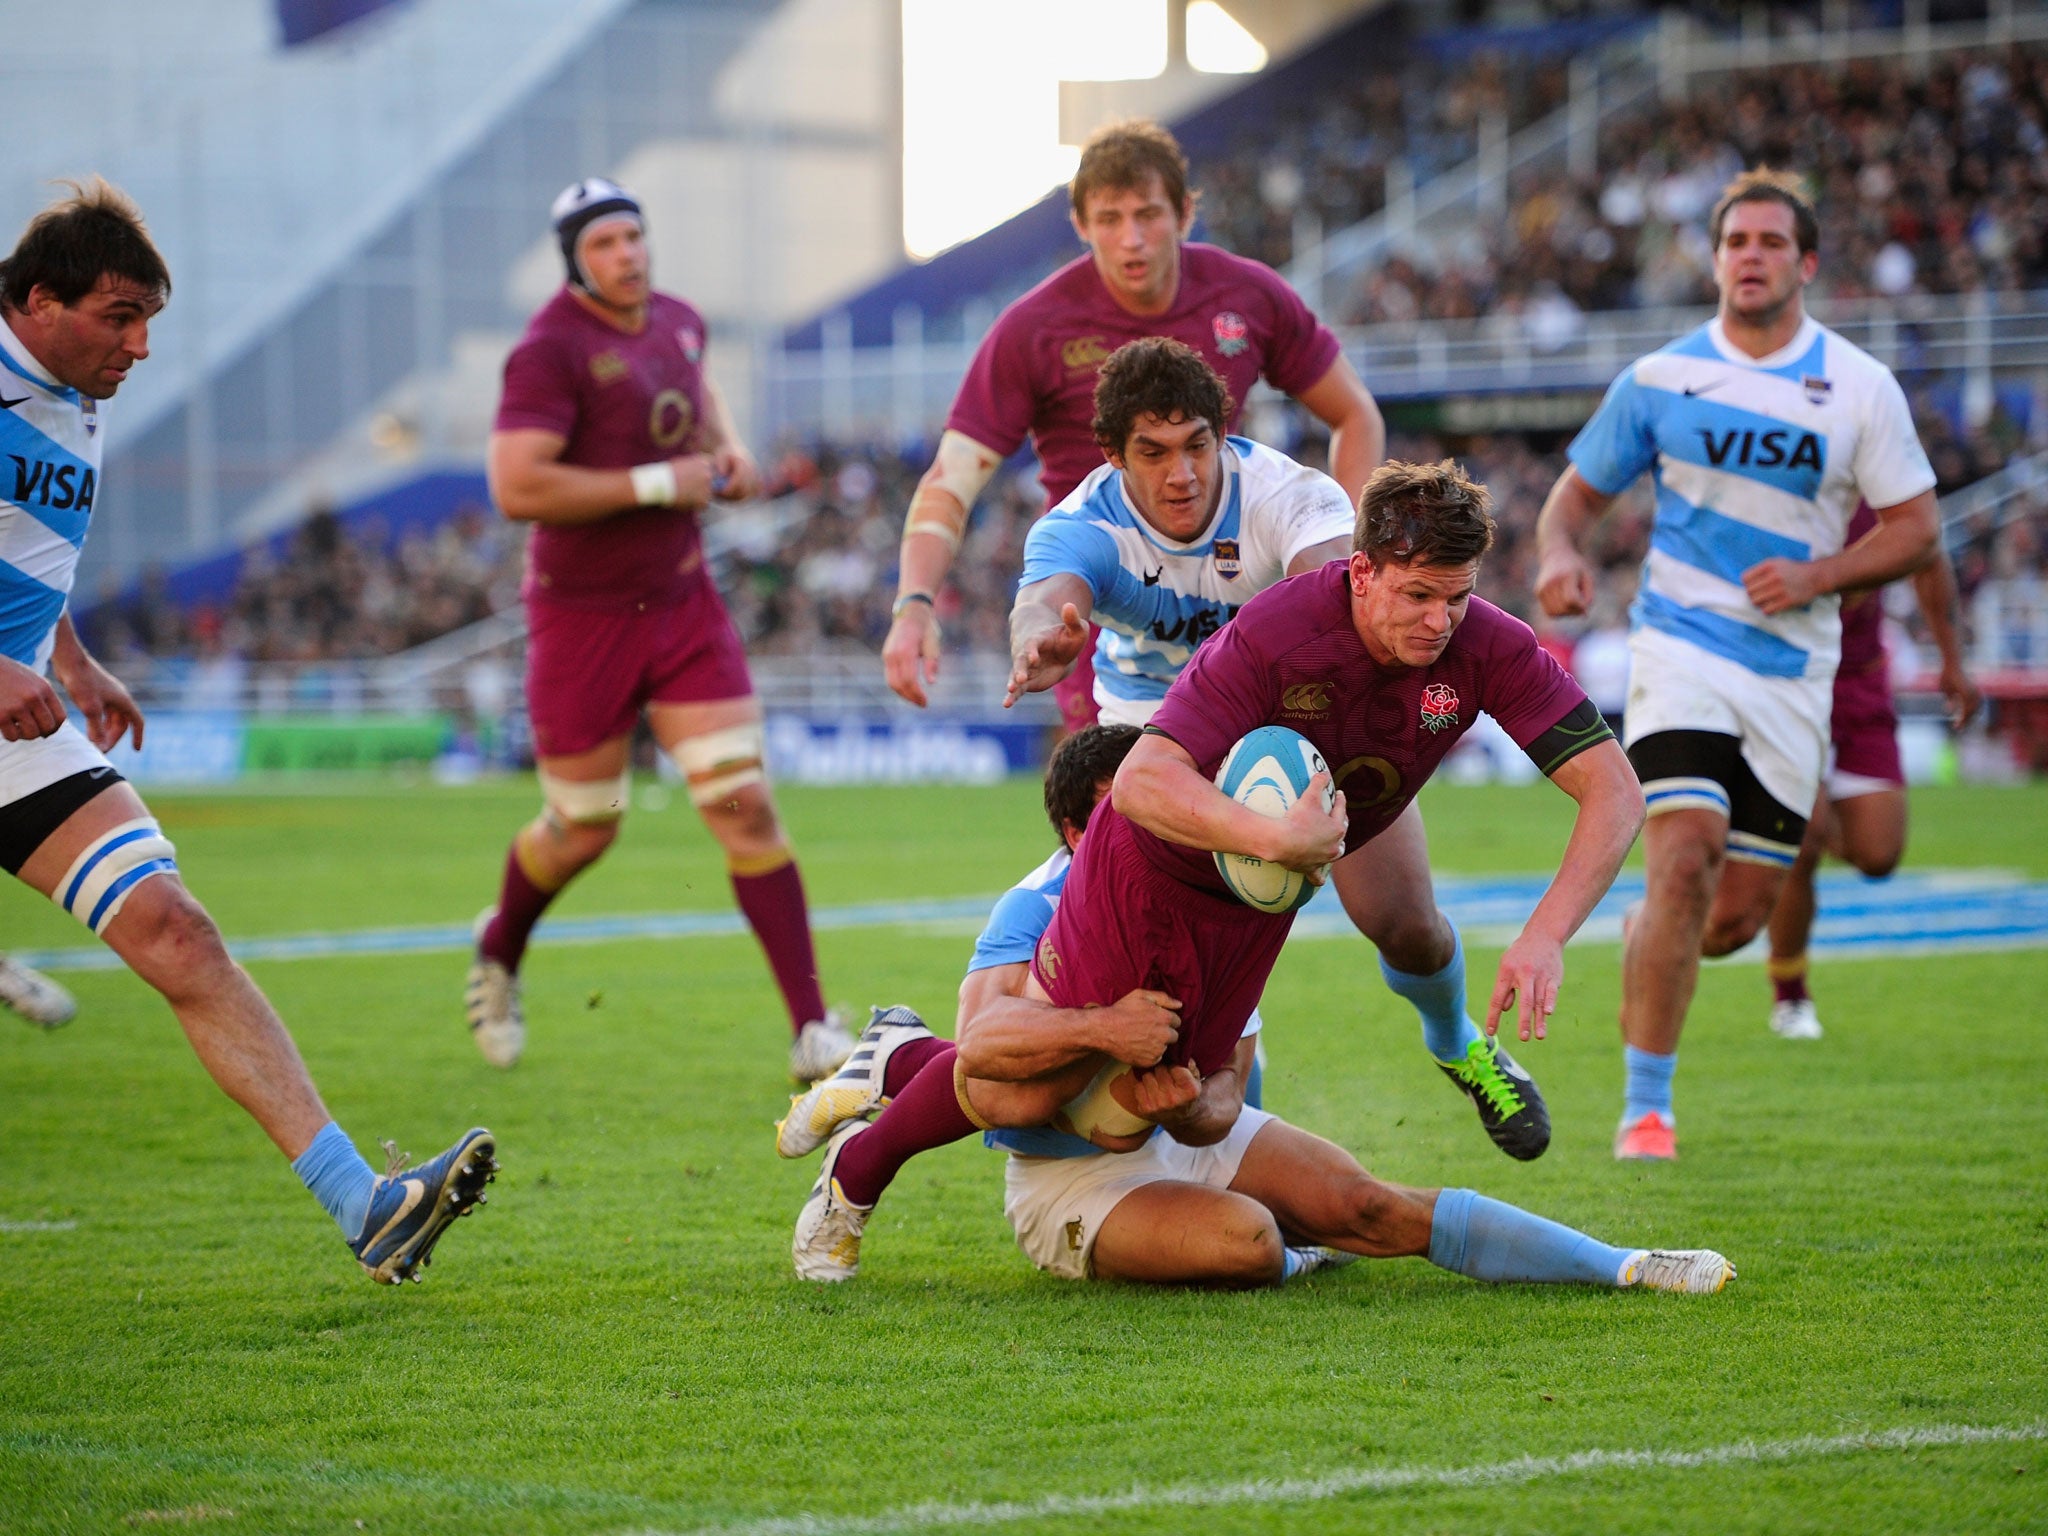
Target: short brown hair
{"points": [[1085, 761], [1156, 376], [1764, 185], [1423, 514], [1121, 156], [96, 232]]}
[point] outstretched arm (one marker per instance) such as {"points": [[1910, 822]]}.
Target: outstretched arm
{"points": [[1048, 632], [1610, 814]]}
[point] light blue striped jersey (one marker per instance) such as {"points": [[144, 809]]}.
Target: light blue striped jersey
{"points": [[1753, 457], [49, 477], [1157, 598]]}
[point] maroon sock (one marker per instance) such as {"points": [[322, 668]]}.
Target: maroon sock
{"points": [[907, 1059], [1788, 977], [924, 1115], [520, 904], [1791, 990], [774, 905]]}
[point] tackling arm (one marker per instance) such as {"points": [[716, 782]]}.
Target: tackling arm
{"points": [[530, 484], [1610, 814], [1160, 788], [1005, 1036], [1358, 433], [1564, 577]]}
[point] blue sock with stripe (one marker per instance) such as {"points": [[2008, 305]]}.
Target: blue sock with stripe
{"points": [[1489, 1240], [1446, 1027], [1649, 1084], [340, 1180], [1255, 1080]]}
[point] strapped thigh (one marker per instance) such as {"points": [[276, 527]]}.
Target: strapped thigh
{"points": [[586, 802], [98, 883], [715, 763]]}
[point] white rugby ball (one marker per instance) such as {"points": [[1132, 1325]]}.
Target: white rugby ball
{"points": [[1267, 771]]}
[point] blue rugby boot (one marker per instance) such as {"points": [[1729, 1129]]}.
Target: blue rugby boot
{"points": [[411, 1208]]}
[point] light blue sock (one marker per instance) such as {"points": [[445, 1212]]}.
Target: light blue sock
{"points": [[1489, 1240], [1446, 1028], [1292, 1262], [340, 1180], [1649, 1083]]}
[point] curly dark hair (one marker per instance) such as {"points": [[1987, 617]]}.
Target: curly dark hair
{"points": [[1120, 156], [67, 248], [1085, 762], [1157, 376], [1423, 514]]}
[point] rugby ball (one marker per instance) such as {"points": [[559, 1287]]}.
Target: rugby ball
{"points": [[1267, 771]]}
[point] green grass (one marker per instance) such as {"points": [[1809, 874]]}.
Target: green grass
{"points": [[616, 1344]]}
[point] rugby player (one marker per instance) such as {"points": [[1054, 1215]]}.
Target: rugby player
{"points": [[1160, 546], [1147, 955], [1860, 816], [77, 295], [1763, 429], [32, 995], [611, 437], [1034, 373]]}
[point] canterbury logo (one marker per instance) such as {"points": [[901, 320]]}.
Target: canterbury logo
{"points": [[1306, 699]]}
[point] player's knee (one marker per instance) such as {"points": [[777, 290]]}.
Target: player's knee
{"points": [[1251, 1251], [1874, 859], [1726, 932], [169, 940], [1419, 943], [585, 813], [726, 771], [745, 822], [1685, 867]]}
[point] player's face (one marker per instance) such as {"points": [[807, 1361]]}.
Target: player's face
{"points": [[92, 344], [1135, 236], [1172, 473], [1405, 614], [1758, 266], [614, 256]]}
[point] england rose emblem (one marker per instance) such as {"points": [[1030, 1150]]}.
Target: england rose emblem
{"points": [[1232, 333], [1439, 707]]}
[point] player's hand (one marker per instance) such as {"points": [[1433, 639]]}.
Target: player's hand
{"points": [[1777, 585], [1048, 656], [910, 656], [1309, 839], [1530, 974], [29, 706], [1155, 1093], [734, 474], [110, 710], [1962, 694], [1564, 583], [694, 475], [1138, 1027]]}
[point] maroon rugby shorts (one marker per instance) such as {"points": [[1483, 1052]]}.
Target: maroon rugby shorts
{"points": [[590, 671], [1123, 923], [1865, 727]]}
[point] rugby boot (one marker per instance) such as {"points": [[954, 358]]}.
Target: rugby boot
{"points": [[1695, 1271], [854, 1092], [827, 1241], [820, 1048], [1652, 1138], [411, 1208], [490, 996], [1510, 1108], [1318, 1257], [34, 996], [1795, 1019]]}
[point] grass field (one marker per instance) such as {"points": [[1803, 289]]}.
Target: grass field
{"points": [[617, 1343]]}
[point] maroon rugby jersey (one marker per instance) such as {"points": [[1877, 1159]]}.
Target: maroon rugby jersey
{"points": [[1292, 657], [1863, 677], [1034, 373], [618, 400]]}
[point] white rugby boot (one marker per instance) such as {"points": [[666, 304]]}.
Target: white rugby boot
{"points": [[34, 996], [1315, 1257], [855, 1091], [497, 1021], [826, 1246], [1796, 1020], [820, 1048], [1694, 1271]]}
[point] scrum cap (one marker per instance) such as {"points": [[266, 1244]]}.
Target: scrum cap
{"points": [[583, 205]]}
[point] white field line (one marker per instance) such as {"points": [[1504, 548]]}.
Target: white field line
{"points": [[1522, 1469]]}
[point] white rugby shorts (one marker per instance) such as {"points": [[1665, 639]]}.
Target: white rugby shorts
{"points": [[1057, 1205], [27, 766], [1781, 722]]}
